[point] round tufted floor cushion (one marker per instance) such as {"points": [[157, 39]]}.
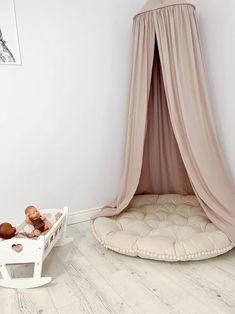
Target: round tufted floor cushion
{"points": [[167, 227]]}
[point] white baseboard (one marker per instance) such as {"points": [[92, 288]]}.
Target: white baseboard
{"points": [[82, 215]]}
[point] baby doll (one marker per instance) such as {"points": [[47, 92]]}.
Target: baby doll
{"points": [[34, 218]]}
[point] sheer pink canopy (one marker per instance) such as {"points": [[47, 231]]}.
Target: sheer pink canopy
{"points": [[171, 145]]}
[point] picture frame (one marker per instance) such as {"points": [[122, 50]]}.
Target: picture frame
{"points": [[9, 39]]}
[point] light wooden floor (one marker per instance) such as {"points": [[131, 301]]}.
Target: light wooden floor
{"points": [[90, 279]]}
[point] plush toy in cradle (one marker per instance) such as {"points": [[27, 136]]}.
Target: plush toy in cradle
{"points": [[7, 231], [34, 218]]}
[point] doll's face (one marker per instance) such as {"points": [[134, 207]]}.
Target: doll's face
{"points": [[33, 213]]}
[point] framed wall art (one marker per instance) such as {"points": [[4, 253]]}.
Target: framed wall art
{"points": [[9, 40]]}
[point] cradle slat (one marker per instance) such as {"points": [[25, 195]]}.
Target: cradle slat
{"points": [[56, 232]]}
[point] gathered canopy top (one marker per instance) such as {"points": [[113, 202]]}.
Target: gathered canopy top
{"points": [[158, 4]]}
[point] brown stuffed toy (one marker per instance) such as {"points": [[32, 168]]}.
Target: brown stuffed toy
{"points": [[7, 231]]}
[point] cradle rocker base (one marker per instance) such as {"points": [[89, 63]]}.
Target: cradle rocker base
{"points": [[27, 283], [32, 252]]}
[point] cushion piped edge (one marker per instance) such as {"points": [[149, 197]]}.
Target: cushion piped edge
{"points": [[162, 257]]}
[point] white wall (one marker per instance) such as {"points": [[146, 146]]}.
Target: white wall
{"points": [[217, 28], [63, 112]]}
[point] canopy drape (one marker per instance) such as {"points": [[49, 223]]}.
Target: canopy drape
{"points": [[171, 143], [161, 152]]}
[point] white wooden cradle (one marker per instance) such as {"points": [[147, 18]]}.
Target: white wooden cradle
{"points": [[33, 251]]}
